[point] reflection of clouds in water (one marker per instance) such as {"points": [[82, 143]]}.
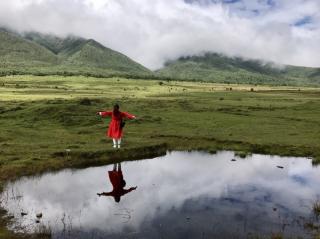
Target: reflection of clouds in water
{"points": [[171, 182]]}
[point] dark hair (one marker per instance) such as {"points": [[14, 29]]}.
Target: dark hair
{"points": [[117, 198], [116, 110], [123, 183]]}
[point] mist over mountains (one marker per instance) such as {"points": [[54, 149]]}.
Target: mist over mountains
{"points": [[44, 54], [153, 32], [238, 70], [36, 53]]}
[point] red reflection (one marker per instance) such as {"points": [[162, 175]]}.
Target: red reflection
{"points": [[118, 184]]}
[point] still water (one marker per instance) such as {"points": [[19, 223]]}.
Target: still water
{"points": [[179, 195]]}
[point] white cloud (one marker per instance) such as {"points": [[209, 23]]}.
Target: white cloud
{"points": [[152, 32]]}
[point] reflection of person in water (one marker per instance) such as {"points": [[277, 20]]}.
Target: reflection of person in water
{"points": [[118, 184]]}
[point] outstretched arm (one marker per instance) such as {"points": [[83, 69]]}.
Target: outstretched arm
{"points": [[129, 190], [128, 116], [104, 194], [104, 113]]}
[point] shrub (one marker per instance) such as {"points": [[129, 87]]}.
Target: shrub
{"points": [[85, 101]]}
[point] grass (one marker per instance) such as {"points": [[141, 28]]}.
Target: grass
{"points": [[312, 224], [316, 208], [48, 123]]}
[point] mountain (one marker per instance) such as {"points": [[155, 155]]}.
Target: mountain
{"points": [[219, 68], [41, 54], [44, 54], [53, 43], [79, 52], [17, 52], [94, 55]]}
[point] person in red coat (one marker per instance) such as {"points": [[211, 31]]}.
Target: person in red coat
{"points": [[118, 184], [116, 125]]}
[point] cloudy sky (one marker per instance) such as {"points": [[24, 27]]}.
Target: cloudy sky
{"points": [[154, 31]]}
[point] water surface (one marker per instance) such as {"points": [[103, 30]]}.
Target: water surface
{"points": [[179, 195]]}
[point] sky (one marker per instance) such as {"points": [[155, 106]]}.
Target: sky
{"points": [[152, 32]]}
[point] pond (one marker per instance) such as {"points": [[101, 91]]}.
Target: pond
{"points": [[179, 195]]}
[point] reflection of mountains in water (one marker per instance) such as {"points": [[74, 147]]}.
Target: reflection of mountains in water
{"points": [[180, 195]]}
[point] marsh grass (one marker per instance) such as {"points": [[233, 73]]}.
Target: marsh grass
{"points": [[43, 232], [277, 236], [242, 154], [38, 123], [312, 224], [316, 208]]}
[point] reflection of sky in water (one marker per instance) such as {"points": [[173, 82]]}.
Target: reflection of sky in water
{"points": [[180, 195]]}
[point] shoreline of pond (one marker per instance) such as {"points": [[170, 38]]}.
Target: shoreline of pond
{"points": [[237, 155], [80, 160]]}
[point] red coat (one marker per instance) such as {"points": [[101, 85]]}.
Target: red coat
{"points": [[115, 131], [116, 179]]}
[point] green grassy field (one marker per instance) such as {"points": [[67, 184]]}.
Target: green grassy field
{"points": [[48, 123]]}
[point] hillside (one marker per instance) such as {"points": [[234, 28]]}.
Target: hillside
{"points": [[17, 52], [39, 54], [43, 54], [94, 55], [53, 43], [219, 68]]}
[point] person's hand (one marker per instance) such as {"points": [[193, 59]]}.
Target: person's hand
{"points": [[98, 113], [99, 194], [134, 188]]}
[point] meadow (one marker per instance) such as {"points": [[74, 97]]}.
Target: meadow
{"points": [[50, 122]]}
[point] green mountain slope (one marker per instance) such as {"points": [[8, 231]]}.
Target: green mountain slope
{"points": [[40, 54], [315, 74], [17, 52], [218, 68], [94, 55], [55, 44]]}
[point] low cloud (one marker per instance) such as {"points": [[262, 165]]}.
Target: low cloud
{"points": [[152, 32]]}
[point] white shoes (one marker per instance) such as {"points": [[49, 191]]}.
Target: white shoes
{"points": [[115, 146], [118, 146]]}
